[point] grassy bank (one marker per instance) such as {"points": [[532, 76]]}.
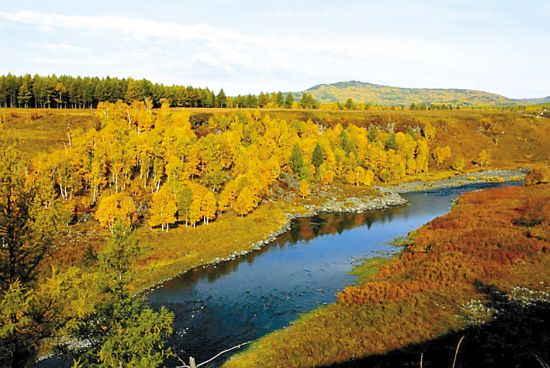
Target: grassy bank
{"points": [[495, 239]]}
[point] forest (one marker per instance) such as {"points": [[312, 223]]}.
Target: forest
{"points": [[200, 184], [178, 174], [87, 92]]}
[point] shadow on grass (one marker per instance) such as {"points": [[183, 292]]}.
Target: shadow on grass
{"points": [[519, 336]]}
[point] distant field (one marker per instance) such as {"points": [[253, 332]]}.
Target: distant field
{"points": [[42, 130]]}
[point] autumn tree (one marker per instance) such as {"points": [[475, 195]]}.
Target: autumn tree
{"points": [[195, 213], [163, 208], [459, 163], [441, 154], [208, 206], [428, 131], [483, 158], [29, 217], [326, 175], [116, 207], [61, 93], [30, 309], [304, 188], [360, 176], [184, 198], [228, 196], [246, 201]]}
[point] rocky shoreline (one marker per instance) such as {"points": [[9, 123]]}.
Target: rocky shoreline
{"points": [[390, 198], [486, 176], [350, 205]]}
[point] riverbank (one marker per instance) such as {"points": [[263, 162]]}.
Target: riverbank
{"points": [[494, 240], [281, 214]]}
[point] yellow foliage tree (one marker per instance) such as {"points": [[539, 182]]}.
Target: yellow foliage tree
{"points": [[422, 156], [115, 208], [228, 196], [459, 163], [246, 202], [360, 176], [163, 209], [326, 176], [428, 130], [304, 188], [195, 214], [208, 206], [441, 154], [483, 158]]}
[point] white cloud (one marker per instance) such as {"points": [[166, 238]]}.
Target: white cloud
{"points": [[204, 54], [59, 47], [223, 47]]}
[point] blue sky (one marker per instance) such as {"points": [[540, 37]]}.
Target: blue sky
{"points": [[252, 46]]}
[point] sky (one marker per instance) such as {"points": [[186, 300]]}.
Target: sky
{"points": [[245, 46]]}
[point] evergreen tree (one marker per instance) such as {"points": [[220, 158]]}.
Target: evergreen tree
{"points": [[289, 100], [280, 99], [25, 95], [296, 160], [349, 105], [391, 143], [122, 331], [317, 158], [221, 99], [263, 99]]}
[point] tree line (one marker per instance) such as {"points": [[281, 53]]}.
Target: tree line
{"points": [[153, 166], [86, 92]]}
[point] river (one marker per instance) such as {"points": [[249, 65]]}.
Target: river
{"points": [[220, 306]]}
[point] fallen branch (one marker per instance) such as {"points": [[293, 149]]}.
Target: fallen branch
{"points": [[192, 360], [456, 351]]}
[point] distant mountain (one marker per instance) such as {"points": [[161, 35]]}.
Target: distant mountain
{"points": [[386, 95]]}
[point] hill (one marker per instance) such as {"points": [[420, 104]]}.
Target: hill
{"points": [[387, 95]]}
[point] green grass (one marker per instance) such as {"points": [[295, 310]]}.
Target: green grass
{"points": [[368, 268]]}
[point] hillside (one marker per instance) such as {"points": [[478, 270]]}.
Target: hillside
{"points": [[387, 95]]}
